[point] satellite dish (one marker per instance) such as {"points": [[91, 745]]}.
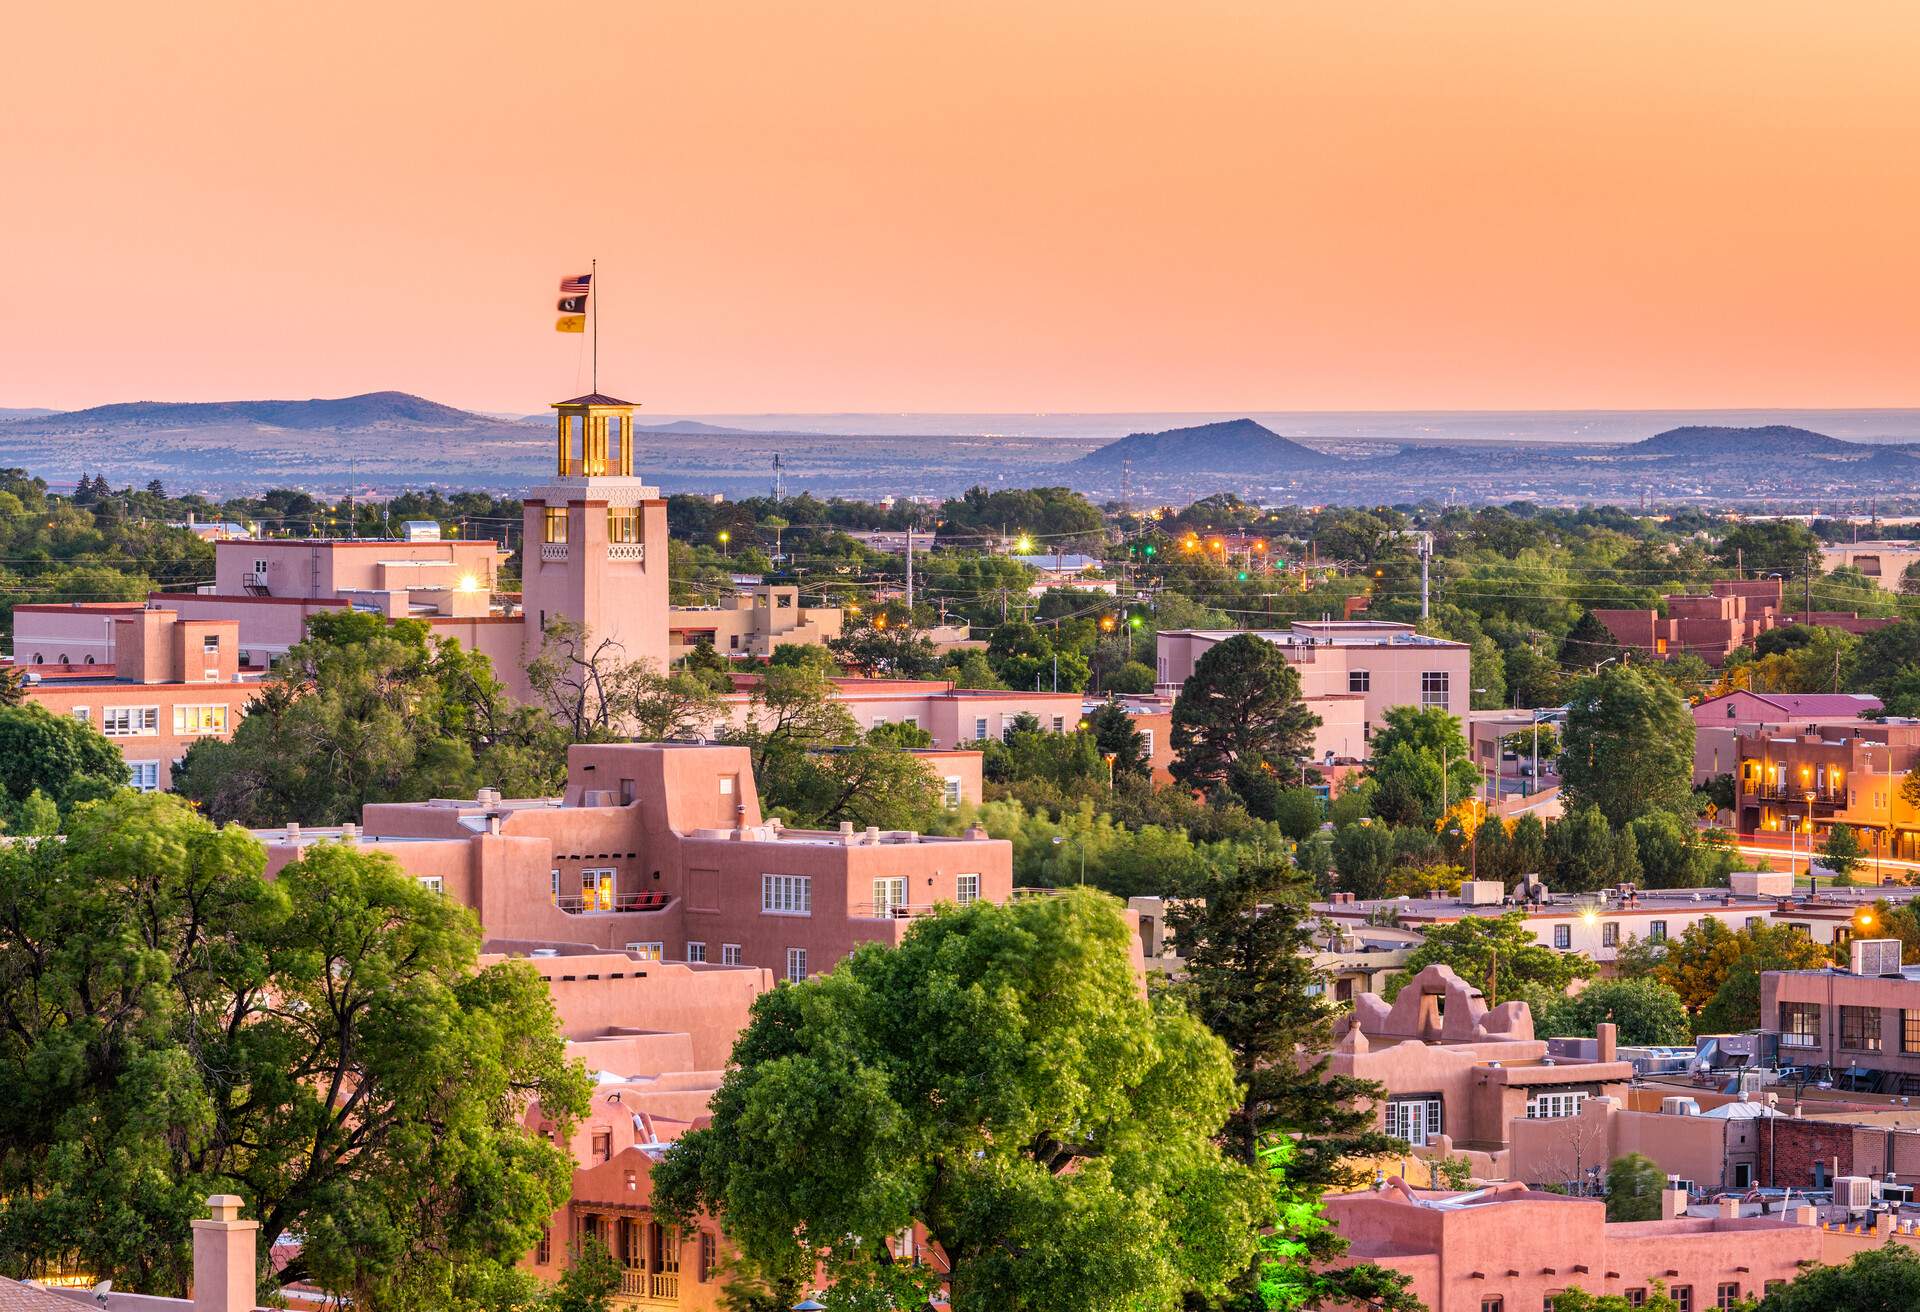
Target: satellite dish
{"points": [[101, 1290]]}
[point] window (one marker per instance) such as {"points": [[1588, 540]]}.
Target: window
{"points": [[259, 569], [1743, 1175], [913, 720], [1656, 931], [889, 895], [129, 721], [543, 1251], [1860, 1028], [787, 895], [1493, 1303], [966, 889], [1682, 1296], [434, 884], [1727, 1295], [1433, 688], [623, 523], [1636, 1298], [729, 954], [1414, 1119], [651, 950], [1553, 1106], [1563, 936], [950, 790], [1146, 744], [878, 721], [796, 965], [726, 785], [1610, 934], [696, 951], [556, 521], [603, 1145], [1059, 724], [1753, 922], [596, 890], [1910, 1031], [194, 720], [1359, 680], [210, 645], [1799, 1024], [145, 776], [709, 1258], [82, 714]]}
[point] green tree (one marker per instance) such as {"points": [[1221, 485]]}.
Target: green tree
{"points": [[1498, 955], [1588, 644], [1758, 949], [1634, 1185], [1363, 858], [364, 710], [1885, 1279], [1628, 747], [1646, 1011], [588, 1284], [60, 758], [1842, 851], [1115, 734], [970, 668], [1655, 1299], [1420, 750], [999, 1079], [1241, 705], [1581, 852], [1298, 813], [1669, 851], [324, 1045]]}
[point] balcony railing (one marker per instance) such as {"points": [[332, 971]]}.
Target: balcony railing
{"points": [[586, 906], [890, 910], [553, 551], [1768, 792], [653, 1286]]}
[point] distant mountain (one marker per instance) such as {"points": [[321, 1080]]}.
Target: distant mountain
{"points": [[370, 410], [1233, 446], [23, 412], [689, 426], [1772, 441]]}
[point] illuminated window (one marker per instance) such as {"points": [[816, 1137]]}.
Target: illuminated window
{"points": [[623, 523], [194, 720], [1910, 1031], [1799, 1024], [556, 520]]}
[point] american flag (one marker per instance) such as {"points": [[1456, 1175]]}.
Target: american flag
{"points": [[576, 285]]}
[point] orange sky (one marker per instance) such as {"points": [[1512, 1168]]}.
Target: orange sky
{"points": [[967, 204]]}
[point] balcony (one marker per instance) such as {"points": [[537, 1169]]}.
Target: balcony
{"points": [[620, 902], [626, 551], [1790, 795], [552, 552], [650, 1286]]}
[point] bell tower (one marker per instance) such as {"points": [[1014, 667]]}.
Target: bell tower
{"points": [[595, 545]]}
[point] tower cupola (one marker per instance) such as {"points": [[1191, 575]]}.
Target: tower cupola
{"points": [[596, 437]]}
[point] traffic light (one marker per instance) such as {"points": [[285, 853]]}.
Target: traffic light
{"points": [[1241, 575], [1150, 550]]}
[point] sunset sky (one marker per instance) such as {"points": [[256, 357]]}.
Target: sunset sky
{"points": [[966, 204]]}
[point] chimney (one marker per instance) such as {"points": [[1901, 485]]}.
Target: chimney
{"points": [[1673, 1200], [223, 1258], [293, 831], [1606, 1043]]}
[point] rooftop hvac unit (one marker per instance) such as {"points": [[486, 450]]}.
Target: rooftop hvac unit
{"points": [[420, 530], [1875, 956], [1679, 1107], [1853, 1192]]}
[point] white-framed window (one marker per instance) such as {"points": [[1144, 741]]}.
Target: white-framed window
{"points": [[950, 790], [83, 715], [796, 965], [652, 950], [889, 895], [1146, 743], [210, 645], [980, 729], [696, 951], [145, 776], [879, 721], [913, 720], [729, 954], [1433, 688], [260, 569], [726, 785], [1552, 1106], [434, 884], [1610, 934], [555, 876], [1059, 724], [596, 890], [1416, 1120], [1563, 936], [966, 889], [1359, 680], [193, 720], [129, 721], [786, 895]]}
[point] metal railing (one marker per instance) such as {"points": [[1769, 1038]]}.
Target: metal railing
{"points": [[1781, 793], [584, 906]]}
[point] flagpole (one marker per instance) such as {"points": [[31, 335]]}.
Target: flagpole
{"points": [[593, 290]]}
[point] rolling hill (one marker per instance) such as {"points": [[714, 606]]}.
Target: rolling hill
{"points": [[368, 410], [1234, 447], [1772, 441]]}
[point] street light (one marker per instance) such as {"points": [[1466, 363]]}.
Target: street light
{"points": [[725, 537]]}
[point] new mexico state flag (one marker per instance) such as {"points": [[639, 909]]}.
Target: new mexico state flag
{"points": [[570, 323]]}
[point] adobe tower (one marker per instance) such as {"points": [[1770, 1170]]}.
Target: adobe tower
{"points": [[596, 537]]}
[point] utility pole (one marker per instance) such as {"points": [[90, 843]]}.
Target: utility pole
{"points": [[909, 567], [1426, 557], [1804, 616]]}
